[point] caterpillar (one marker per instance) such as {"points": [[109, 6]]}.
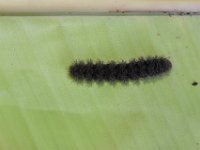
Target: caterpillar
{"points": [[122, 71]]}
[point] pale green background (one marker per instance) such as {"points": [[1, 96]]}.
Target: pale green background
{"points": [[42, 108]]}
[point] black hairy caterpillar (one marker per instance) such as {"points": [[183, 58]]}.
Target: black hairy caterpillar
{"points": [[123, 71]]}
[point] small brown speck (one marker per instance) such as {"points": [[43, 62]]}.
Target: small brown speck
{"points": [[194, 83], [158, 34]]}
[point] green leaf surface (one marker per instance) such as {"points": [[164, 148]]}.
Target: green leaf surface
{"points": [[42, 108]]}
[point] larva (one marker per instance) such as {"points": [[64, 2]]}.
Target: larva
{"points": [[122, 71]]}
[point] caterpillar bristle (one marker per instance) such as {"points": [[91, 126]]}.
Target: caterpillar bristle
{"points": [[123, 71]]}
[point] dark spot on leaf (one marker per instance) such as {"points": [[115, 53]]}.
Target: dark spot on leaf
{"points": [[194, 83]]}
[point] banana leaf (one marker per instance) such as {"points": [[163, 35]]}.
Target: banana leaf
{"points": [[42, 108]]}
